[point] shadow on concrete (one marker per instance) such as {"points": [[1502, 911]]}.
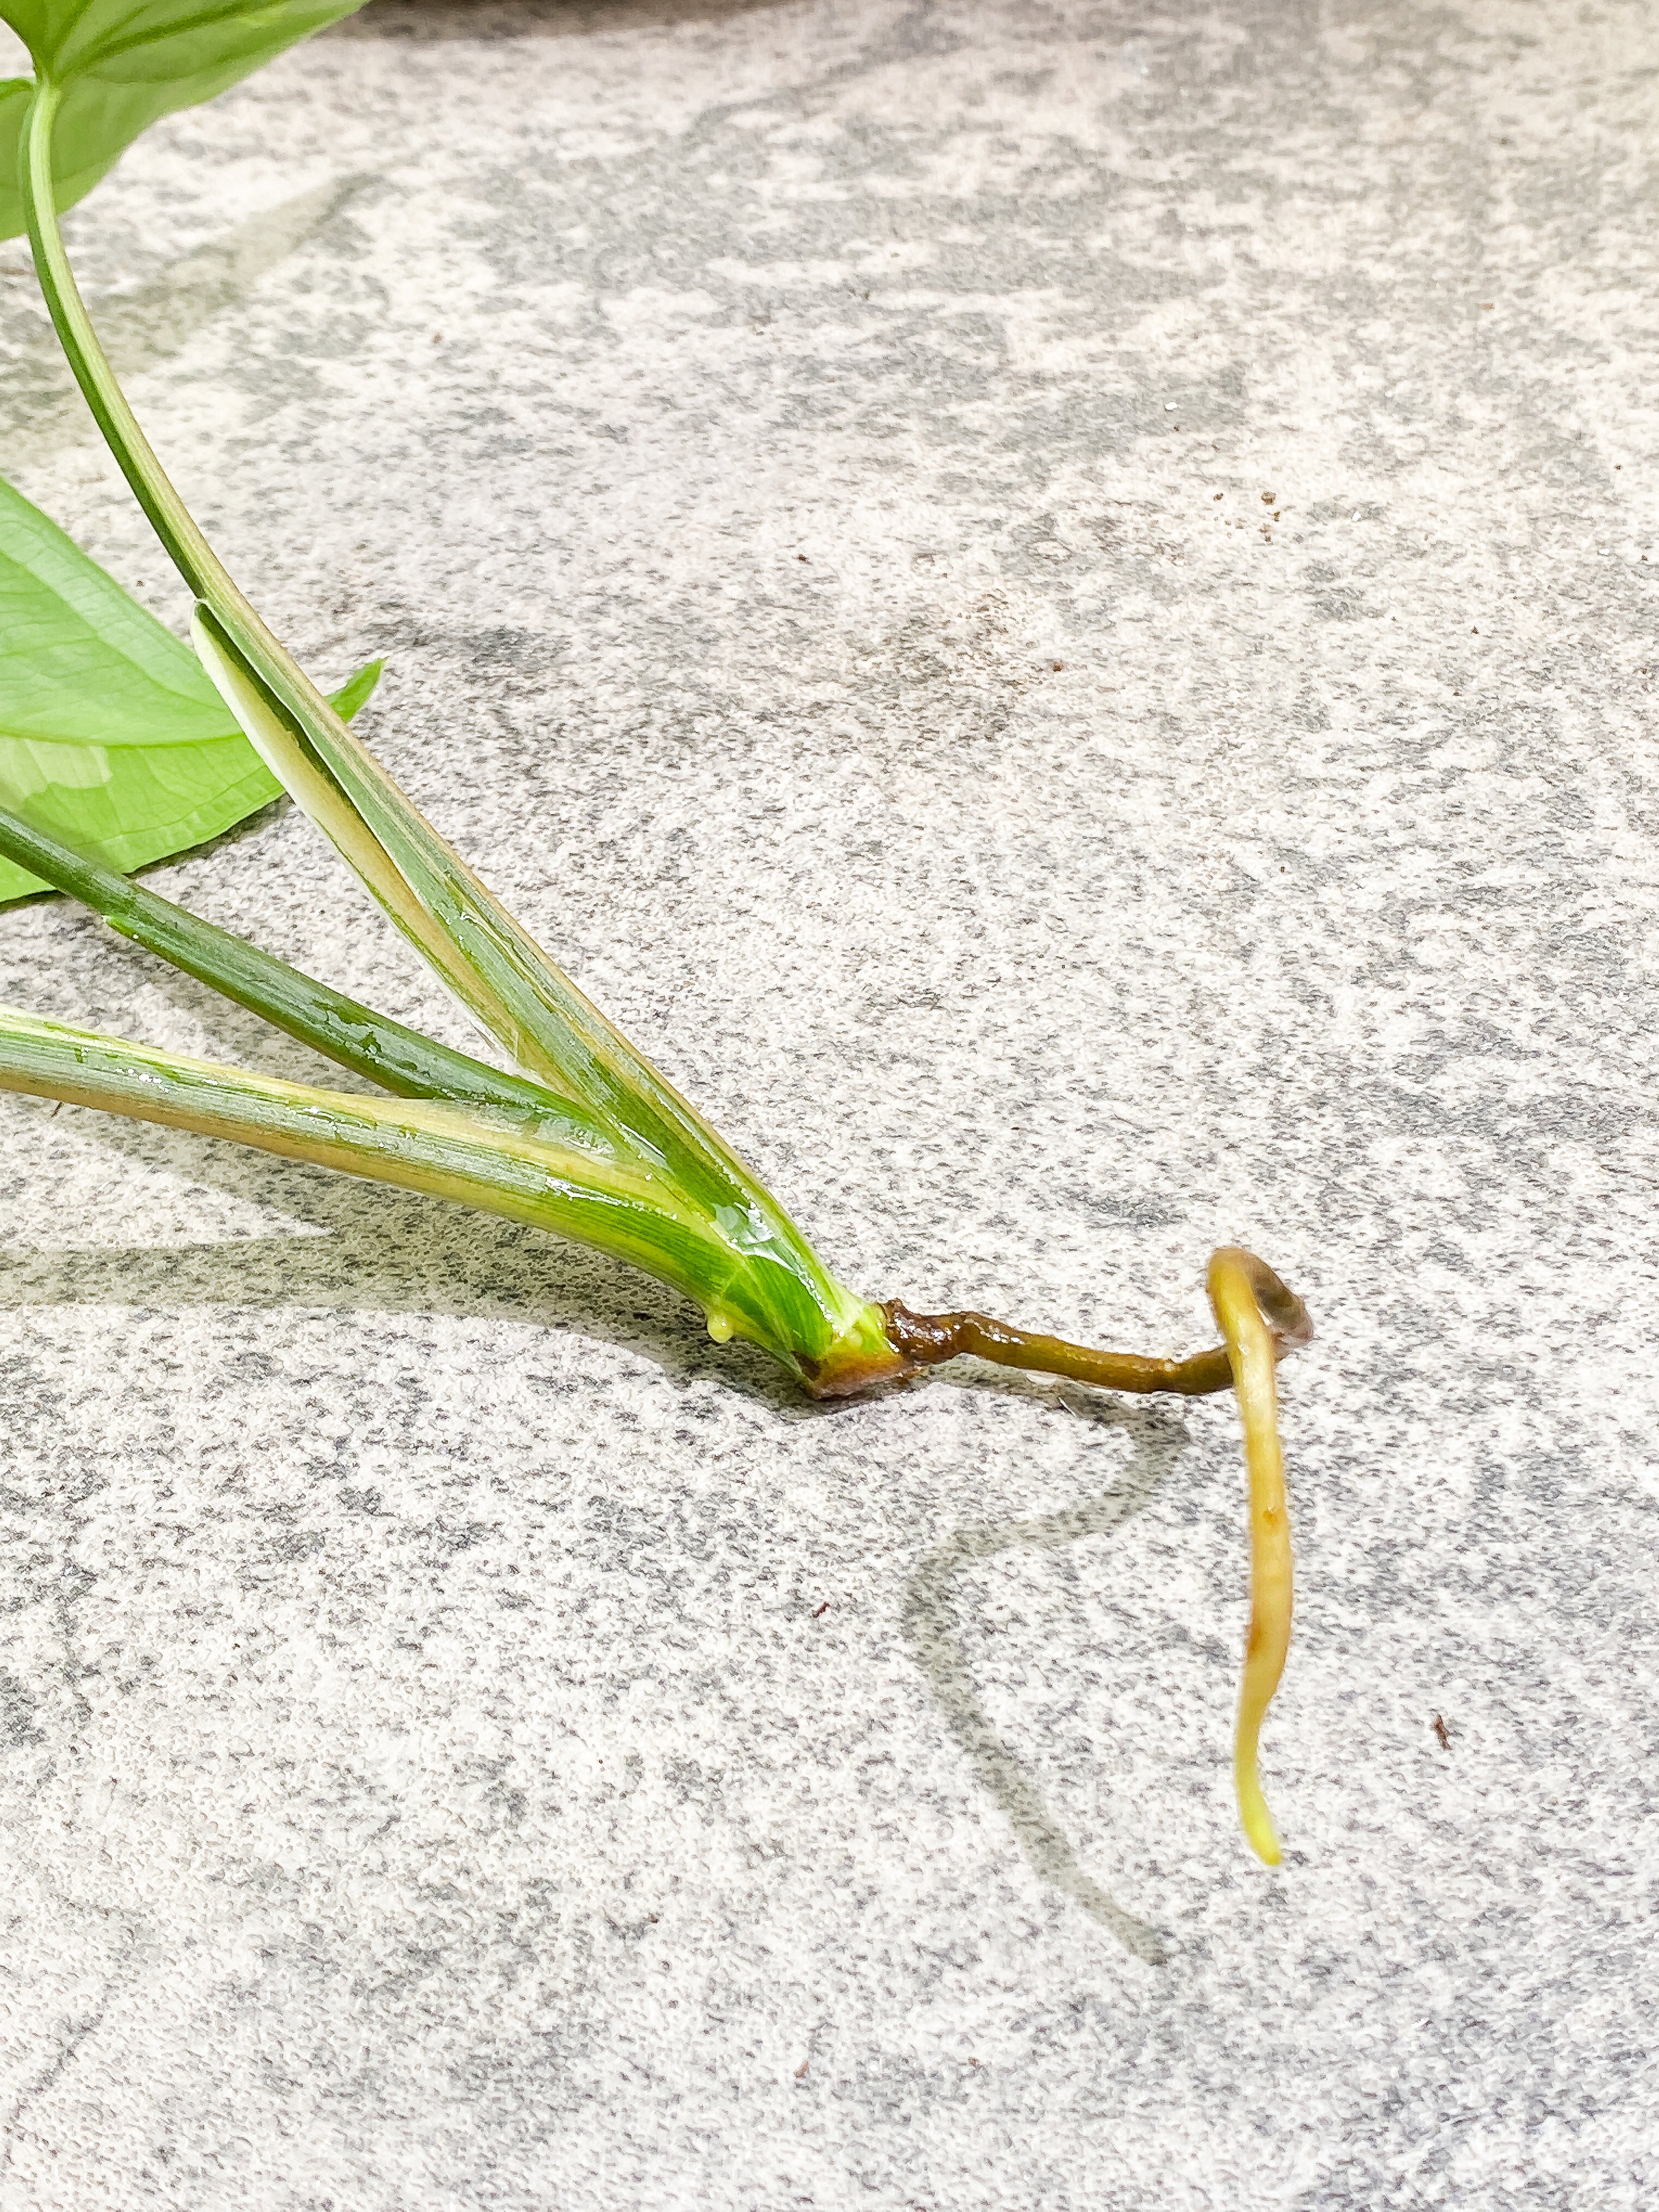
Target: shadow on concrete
{"points": [[424, 21], [41, 409], [373, 1251], [933, 1623], [369, 1251]]}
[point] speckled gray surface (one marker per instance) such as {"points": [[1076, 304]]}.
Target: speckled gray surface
{"points": [[469, 1742]]}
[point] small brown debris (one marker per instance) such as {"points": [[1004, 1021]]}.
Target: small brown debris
{"points": [[1268, 497], [1058, 664], [1443, 1732], [801, 2070], [821, 1609], [1219, 494]]}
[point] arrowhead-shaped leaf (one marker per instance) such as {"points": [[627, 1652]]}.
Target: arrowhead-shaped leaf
{"points": [[123, 67], [111, 736]]}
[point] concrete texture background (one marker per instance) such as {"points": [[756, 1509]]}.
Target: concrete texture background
{"points": [[469, 1742]]}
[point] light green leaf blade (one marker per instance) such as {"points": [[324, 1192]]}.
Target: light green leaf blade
{"points": [[122, 68], [111, 736]]}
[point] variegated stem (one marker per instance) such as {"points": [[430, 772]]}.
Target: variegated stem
{"points": [[397, 1059], [499, 973], [472, 1155], [498, 970]]}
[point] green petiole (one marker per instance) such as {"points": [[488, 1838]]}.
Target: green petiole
{"points": [[398, 1059], [468, 1154]]}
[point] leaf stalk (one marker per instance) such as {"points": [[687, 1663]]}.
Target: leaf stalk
{"points": [[554, 1033], [397, 1059]]}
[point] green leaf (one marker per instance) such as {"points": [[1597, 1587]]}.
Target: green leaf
{"points": [[123, 67], [111, 737]]}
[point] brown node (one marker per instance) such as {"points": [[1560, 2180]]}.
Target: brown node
{"points": [[926, 1339]]}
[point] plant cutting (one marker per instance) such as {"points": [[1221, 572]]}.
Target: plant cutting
{"points": [[584, 1136]]}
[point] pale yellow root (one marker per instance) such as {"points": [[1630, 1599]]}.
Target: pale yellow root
{"points": [[1253, 1348]]}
